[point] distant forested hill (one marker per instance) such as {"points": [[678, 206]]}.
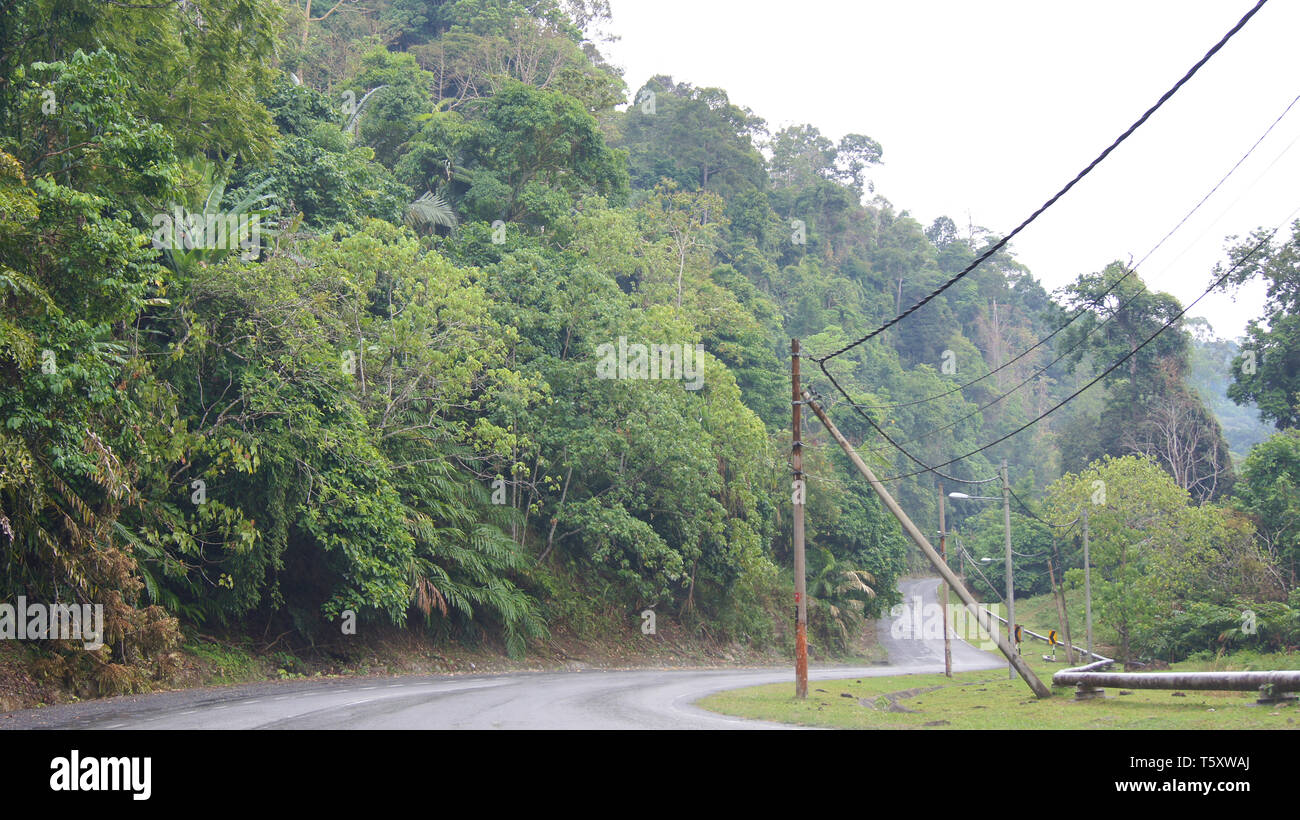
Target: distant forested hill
{"points": [[1210, 375]]}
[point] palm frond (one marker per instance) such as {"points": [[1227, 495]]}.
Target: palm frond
{"points": [[431, 210]]}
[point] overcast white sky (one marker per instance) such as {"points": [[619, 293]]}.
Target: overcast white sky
{"points": [[985, 108]]}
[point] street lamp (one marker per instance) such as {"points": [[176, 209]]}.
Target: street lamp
{"points": [[1006, 519]]}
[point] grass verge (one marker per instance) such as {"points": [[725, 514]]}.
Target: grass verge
{"points": [[988, 700]]}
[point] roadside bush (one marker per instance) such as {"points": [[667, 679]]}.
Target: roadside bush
{"points": [[1269, 626]]}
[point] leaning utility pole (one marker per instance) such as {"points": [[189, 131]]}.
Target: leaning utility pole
{"points": [[798, 493], [982, 616], [943, 603], [1011, 587]]}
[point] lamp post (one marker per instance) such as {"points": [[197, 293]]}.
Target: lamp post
{"points": [[1011, 587], [943, 553], [1005, 498]]}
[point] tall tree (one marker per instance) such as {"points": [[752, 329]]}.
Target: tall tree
{"points": [[695, 137], [1267, 372], [1269, 490], [1149, 409]]}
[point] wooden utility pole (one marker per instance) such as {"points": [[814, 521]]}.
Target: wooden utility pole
{"points": [[1065, 610], [797, 496], [1087, 583], [982, 615], [943, 602], [1062, 619], [1011, 584]]}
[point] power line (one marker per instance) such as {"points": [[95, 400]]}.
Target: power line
{"points": [[1032, 376], [1096, 301], [822, 360], [975, 564], [1035, 516], [898, 446], [1142, 288], [1240, 196], [1079, 343], [997, 246], [1113, 366]]}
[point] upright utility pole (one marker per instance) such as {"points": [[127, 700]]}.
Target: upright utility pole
{"points": [[797, 496], [943, 603], [1058, 595], [1011, 590], [1087, 583], [982, 616]]}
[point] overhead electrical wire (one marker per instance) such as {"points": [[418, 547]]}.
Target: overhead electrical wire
{"points": [[1262, 174], [904, 450], [935, 469], [1067, 527], [1121, 360], [997, 246], [821, 361], [975, 564], [1097, 300], [1142, 288]]}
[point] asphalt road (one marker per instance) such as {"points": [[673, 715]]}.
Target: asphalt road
{"points": [[639, 699]]}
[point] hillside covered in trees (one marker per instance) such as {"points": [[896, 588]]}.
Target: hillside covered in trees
{"points": [[306, 308]]}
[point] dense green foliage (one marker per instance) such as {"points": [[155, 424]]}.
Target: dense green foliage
{"points": [[1153, 551]]}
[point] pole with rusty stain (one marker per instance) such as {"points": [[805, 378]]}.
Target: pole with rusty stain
{"points": [[1039, 688], [798, 494]]}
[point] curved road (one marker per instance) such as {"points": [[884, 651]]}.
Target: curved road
{"points": [[639, 699]]}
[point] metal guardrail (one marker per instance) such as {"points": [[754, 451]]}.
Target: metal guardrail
{"points": [[1090, 680], [1082, 652]]}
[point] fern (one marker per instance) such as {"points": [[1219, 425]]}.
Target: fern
{"points": [[465, 557]]}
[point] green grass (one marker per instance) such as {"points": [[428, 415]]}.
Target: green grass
{"points": [[987, 700]]}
